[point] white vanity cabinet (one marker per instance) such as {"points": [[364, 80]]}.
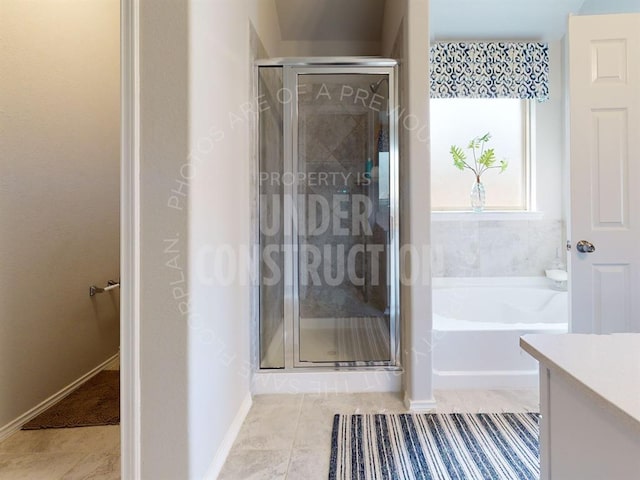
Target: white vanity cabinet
{"points": [[589, 405]]}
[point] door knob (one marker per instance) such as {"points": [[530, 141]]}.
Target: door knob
{"points": [[585, 247]]}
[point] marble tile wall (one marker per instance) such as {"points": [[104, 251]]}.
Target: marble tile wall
{"points": [[336, 135], [495, 248], [332, 142]]}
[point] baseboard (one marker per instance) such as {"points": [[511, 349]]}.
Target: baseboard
{"points": [[17, 424], [489, 380], [419, 405], [230, 437]]}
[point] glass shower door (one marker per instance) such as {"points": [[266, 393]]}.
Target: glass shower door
{"points": [[344, 304]]}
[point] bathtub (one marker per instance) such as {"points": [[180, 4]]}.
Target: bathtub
{"points": [[477, 324]]}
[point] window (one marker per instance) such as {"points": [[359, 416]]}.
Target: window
{"points": [[455, 121]]}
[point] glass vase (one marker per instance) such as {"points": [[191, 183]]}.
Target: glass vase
{"points": [[477, 196]]}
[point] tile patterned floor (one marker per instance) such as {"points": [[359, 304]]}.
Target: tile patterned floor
{"points": [[283, 437], [288, 436], [63, 453]]}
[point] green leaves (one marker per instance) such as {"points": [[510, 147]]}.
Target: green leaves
{"points": [[483, 159], [488, 158], [458, 157], [477, 143], [485, 138]]}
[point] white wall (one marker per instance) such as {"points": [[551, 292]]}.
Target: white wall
{"points": [[220, 224], [412, 17], [59, 195], [195, 176], [550, 139]]}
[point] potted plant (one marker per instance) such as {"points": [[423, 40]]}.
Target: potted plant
{"points": [[483, 160]]}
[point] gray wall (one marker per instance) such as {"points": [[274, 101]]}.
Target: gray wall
{"points": [[164, 256], [59, 195]]}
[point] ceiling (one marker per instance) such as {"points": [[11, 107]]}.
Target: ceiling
{"points": [[361, 20]]}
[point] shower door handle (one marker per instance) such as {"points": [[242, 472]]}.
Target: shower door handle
{"points": [[585, 247]]}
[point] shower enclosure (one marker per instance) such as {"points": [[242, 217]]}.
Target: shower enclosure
{"points": [[328, 189]]}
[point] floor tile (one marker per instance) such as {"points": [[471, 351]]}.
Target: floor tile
{"points": [[265, 401], [37, 466], [354, 403], [495, 401], [256, 465], [309, 455], [270, 425], [316, 417], [448, 401], [528, 400], [95, 466], [283, 436], [67, 440], [309, 464]]}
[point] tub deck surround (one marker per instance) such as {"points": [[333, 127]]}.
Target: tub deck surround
{"points": [[493, 244], [477, 323], [590, 405]]}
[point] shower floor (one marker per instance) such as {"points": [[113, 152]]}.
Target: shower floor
{"points": [[350, 339]]}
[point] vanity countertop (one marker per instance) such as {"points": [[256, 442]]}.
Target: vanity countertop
{"points": [[606, 365]]}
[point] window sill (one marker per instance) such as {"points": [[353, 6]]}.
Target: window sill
{"points": [[485, 216]]}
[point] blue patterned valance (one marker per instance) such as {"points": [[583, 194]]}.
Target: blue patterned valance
{"points": [[489, 70]]}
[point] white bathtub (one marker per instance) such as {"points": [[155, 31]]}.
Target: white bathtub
{"points": [[477, 324]]}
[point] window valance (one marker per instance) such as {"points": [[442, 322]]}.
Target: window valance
{"points": [[489, 70]]}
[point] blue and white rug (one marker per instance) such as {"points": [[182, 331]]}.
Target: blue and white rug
{"points": [[500, 446]]}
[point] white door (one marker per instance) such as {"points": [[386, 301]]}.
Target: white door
{"points": [[604, 90]]}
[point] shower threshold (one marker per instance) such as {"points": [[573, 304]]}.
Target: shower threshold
{"points": [[327, 381]]}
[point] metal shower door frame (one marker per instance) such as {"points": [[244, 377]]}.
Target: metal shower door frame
{"points": [[291, 74]]}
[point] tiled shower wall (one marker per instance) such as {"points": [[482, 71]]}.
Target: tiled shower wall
{"points": [[501, 248], [337, 136]]}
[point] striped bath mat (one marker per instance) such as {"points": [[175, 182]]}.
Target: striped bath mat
{"points": [[481, 446]]}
